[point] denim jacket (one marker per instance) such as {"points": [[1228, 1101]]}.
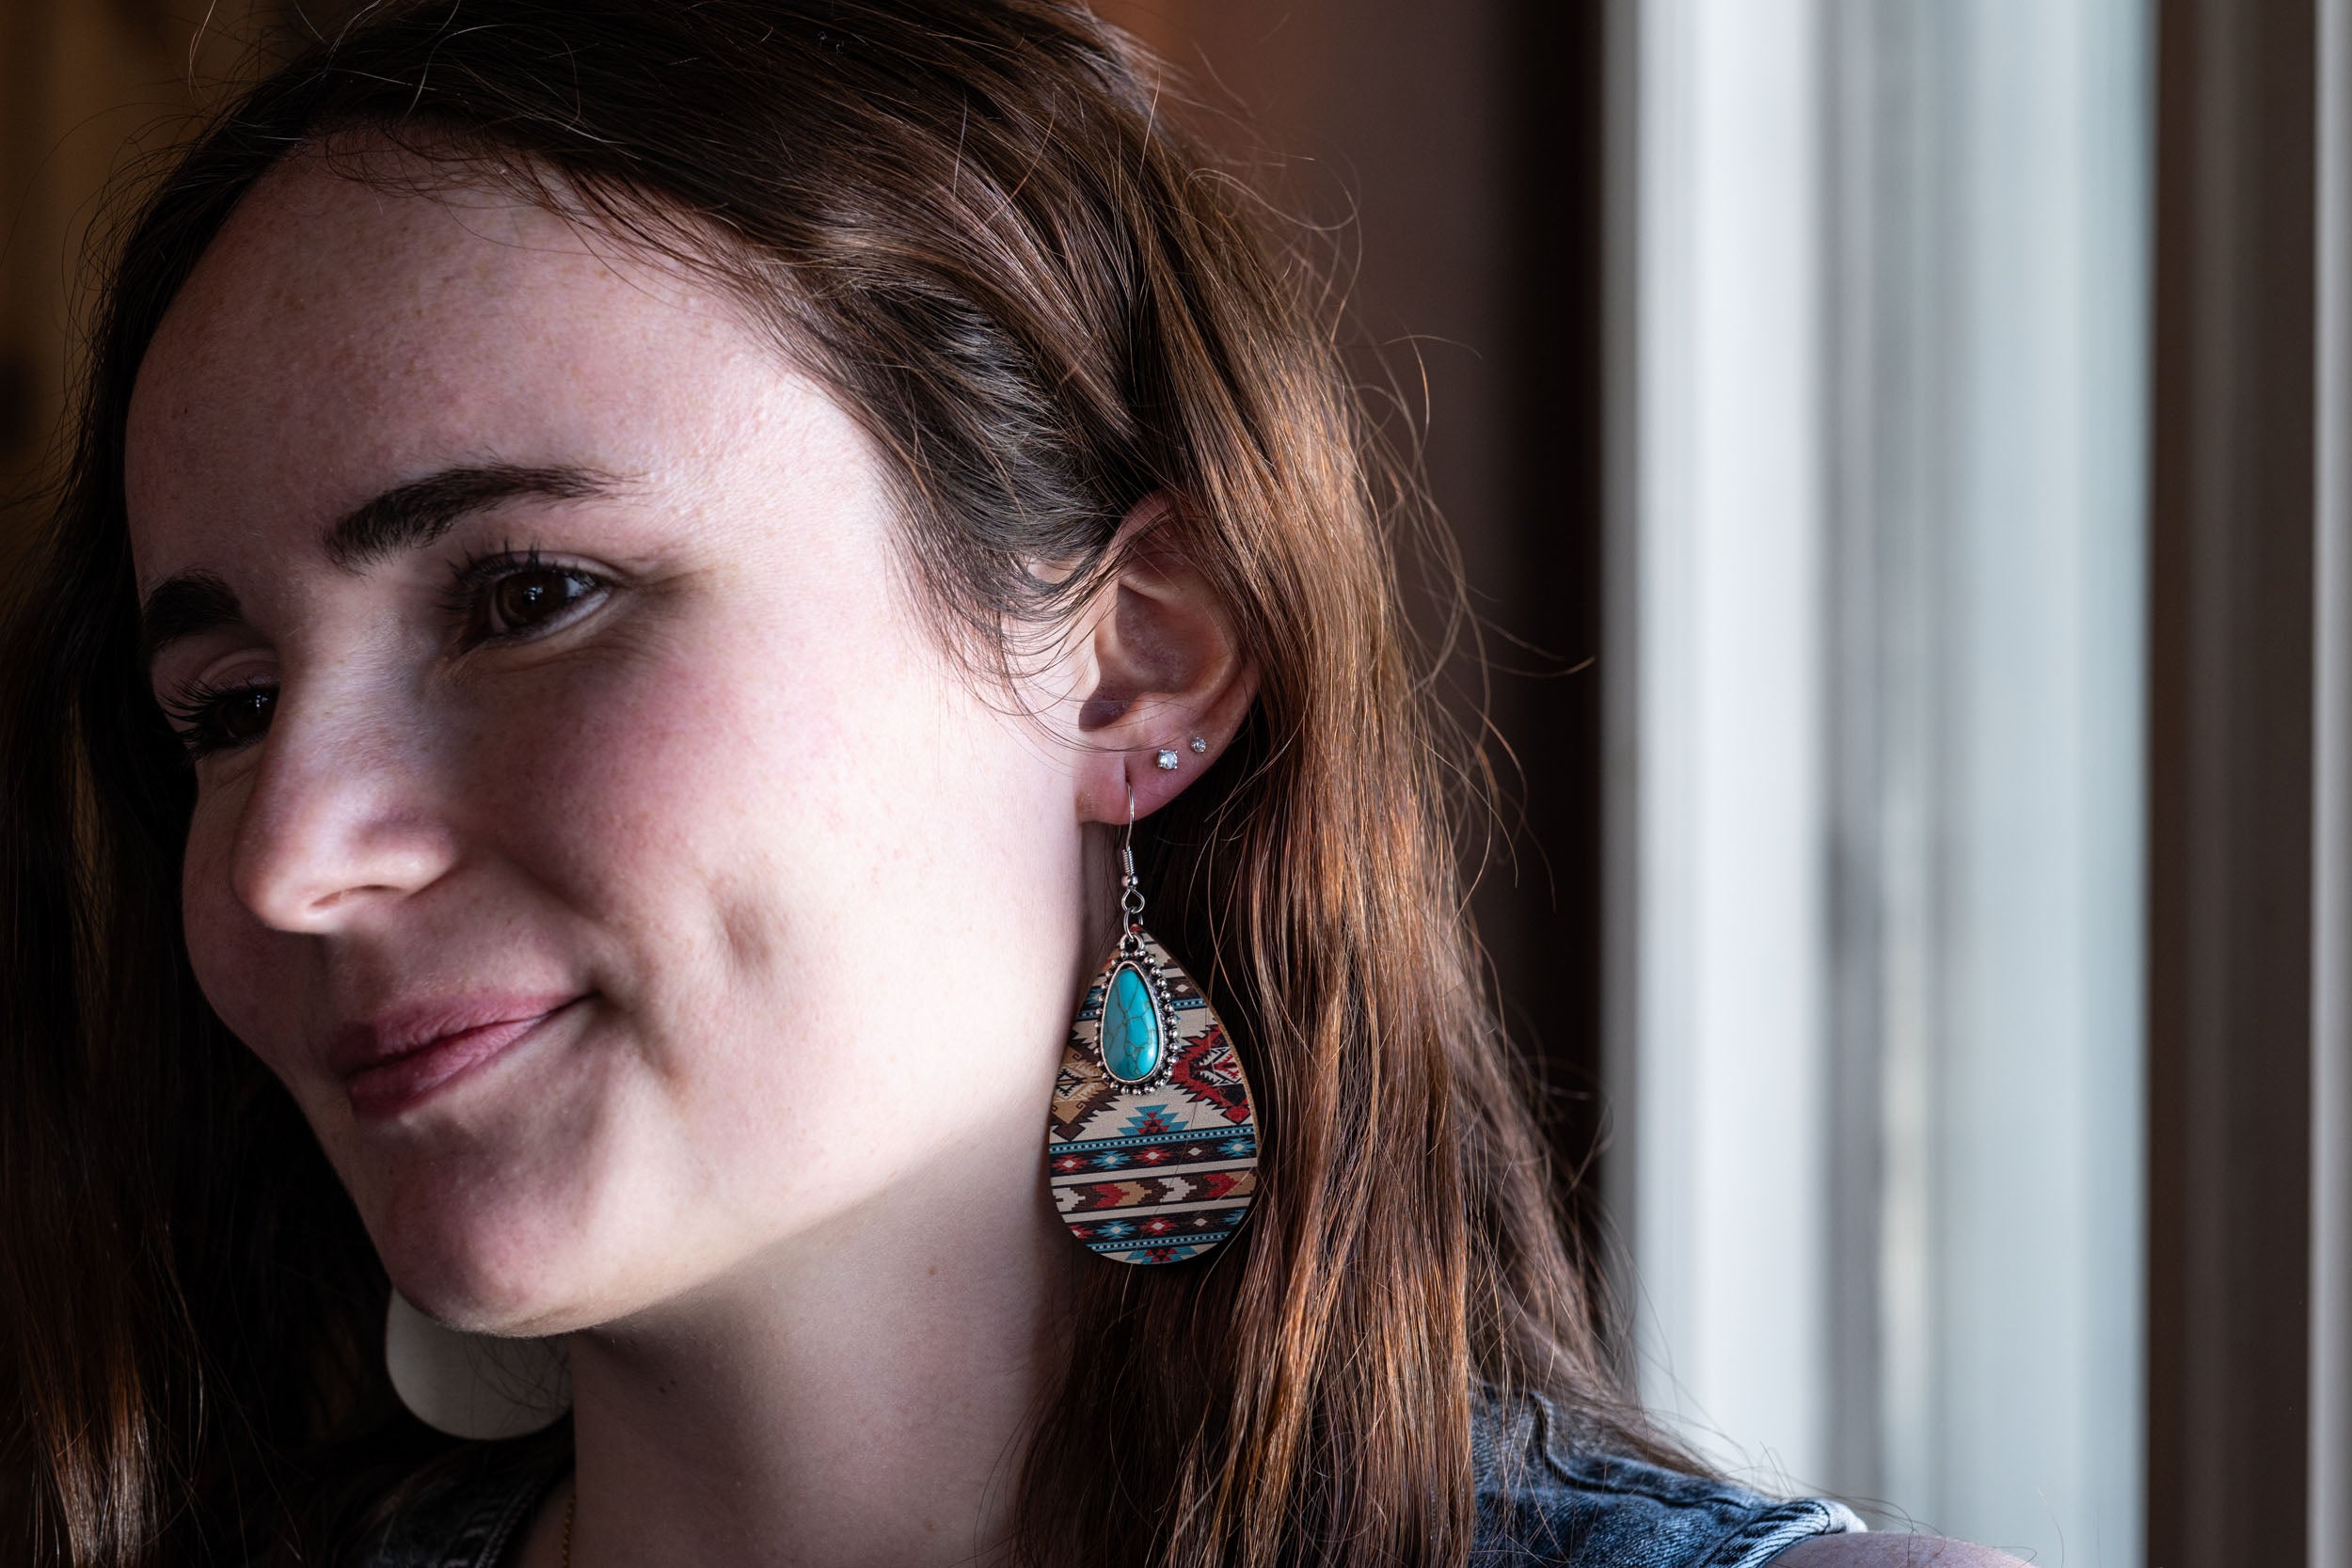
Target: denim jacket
{"points": [[1544, 1502], [1541, 1504]]}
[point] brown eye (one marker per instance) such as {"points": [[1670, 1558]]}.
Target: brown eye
{"points": [[211, 718], [532, 596], [242, 716]]}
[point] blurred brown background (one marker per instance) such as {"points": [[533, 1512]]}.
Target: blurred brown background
{"points": [[85, 85]]}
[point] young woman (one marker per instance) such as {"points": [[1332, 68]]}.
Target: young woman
{"points": [[719, 700]]}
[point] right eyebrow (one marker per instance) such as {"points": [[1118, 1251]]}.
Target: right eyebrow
{"points": [[404, 517], [188, 605]]}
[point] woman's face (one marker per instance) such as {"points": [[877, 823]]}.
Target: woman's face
{"points": [[586, 832]]}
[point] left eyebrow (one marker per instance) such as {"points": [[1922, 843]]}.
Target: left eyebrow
{"points": [[405, 517], [411, 516]]}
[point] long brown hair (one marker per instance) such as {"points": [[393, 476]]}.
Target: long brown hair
{"points": [[974, 221]]}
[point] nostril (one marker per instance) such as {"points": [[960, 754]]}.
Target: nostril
{"points": [[314, 887], [317, 842]]}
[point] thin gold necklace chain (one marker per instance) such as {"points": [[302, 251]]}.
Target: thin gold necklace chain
{"points": [[571, 1506]]}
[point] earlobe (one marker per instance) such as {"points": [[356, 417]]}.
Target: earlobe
{"points": [[1172, 682]]}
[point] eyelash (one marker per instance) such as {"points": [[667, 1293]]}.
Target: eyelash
{"points": [[196, 712], [198, 709]]}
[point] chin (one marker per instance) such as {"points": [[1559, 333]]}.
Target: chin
{"points": [[492, 1257]]}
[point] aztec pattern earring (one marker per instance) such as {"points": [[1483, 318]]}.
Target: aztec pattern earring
{"points": [[1152, 1145]]}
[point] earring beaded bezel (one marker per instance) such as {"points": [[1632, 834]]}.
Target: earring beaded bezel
{"points": [[1163, 1017]]}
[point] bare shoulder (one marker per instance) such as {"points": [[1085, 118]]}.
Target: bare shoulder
{"points": [[1891, 1551]]}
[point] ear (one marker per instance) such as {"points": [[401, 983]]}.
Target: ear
{"points": [[1162, 665]]}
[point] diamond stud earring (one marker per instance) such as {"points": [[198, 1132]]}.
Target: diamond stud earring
{"points": [[1167, 759], [1200, 745]]}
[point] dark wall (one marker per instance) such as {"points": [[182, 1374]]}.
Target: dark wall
{"points": [[2232, 644]]}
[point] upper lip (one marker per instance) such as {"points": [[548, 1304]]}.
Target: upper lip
{"points": [[409, 1027]]}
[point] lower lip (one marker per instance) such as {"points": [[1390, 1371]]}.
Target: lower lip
{"points": [[388, 1088]]}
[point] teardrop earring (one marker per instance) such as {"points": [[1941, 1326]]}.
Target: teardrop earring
{"points": [[1152, 1143]]}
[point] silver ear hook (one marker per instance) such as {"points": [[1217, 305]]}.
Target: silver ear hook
{"points": [[1127, 850], [1129, 890]]}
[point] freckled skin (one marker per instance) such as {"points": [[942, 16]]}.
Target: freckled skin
{"points": [[730, 802], [742, 804]]}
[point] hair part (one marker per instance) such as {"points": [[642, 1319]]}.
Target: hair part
{"points": [[973, 221]]}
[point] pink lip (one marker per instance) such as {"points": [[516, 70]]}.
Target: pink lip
{"points": [[396, 1060]]}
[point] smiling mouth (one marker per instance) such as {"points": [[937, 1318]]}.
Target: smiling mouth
{"points": [[386, 1088]]}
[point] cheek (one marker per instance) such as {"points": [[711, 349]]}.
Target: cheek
{"points": [[244, 969], [775, 837], [709, 814], [616, 780]]}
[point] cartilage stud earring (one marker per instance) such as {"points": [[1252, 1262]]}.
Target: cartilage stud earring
{"points": [[1167, 759], [1151, 1143], [1200, 744]]}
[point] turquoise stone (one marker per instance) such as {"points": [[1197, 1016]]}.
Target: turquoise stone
{"points": [[1131, 1027]]}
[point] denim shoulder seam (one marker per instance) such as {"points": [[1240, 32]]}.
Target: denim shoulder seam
{"points": [[1573, 1472], [1767, 1527], [1773, 1531]]}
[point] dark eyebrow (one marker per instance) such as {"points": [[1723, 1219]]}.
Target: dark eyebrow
{"points": [[185, 606], [404, 517], [413, 514]]}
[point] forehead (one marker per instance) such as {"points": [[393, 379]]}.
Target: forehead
{"points": [[339, 336]]}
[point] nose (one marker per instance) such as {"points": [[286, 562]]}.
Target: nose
{"points": [[341, 819]]}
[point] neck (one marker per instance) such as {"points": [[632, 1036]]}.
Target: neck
{"points": [[860, 1397]]}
